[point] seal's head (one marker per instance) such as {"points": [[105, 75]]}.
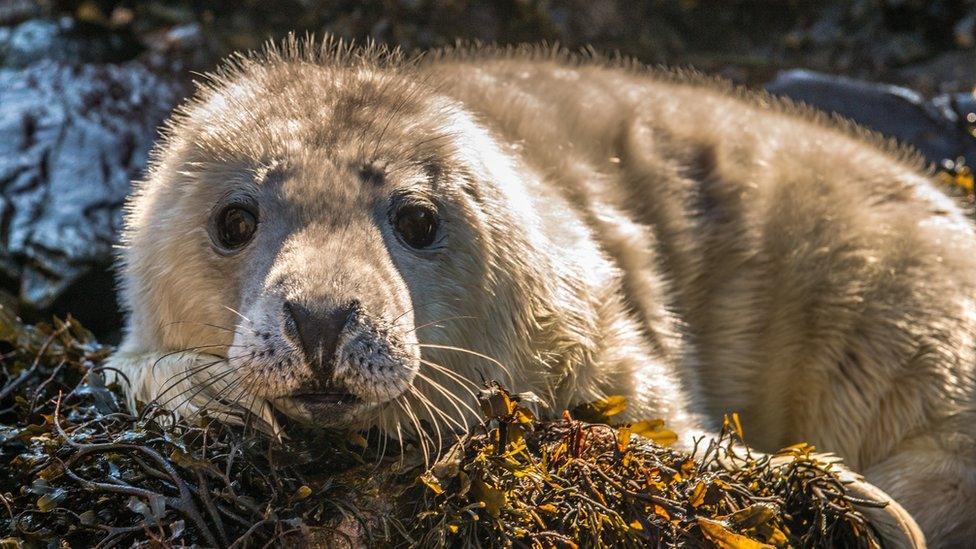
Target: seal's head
{"points": [[327, 236]]}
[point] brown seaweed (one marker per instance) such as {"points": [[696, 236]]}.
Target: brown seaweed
{"points": [[80, 470]]}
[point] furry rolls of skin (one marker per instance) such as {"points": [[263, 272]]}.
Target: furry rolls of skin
{"points": [[572, 227]]}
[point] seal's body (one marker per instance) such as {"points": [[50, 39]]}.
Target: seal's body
{"points": [[348, 238]]}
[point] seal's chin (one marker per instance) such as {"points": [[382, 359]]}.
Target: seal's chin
{"points": [[323, 409]]}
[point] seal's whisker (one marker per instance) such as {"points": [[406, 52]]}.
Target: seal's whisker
{"points": [[398, 107], [216, 326], [217, 358], [184, 375], [421, 437], [470, 352], [415, 308], [229, 400], [173, 381], [433, 419], [432, 413], [444, 415], [438, 137], [384, 437], [194, 390], [203, 386], [249, 410], [167, 404], [465, 384], [188, 350], [463, 381], [451, 397], [213, 402], [421, 434], [396, 423], [231, 309], [434, 322], [236, 383]]}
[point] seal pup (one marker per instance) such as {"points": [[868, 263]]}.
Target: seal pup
{"points": [[348, 237]]}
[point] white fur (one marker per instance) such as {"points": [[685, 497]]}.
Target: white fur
{"points": [[607, 230]]}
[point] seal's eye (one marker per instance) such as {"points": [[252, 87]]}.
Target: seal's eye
{"points": [[234, 227], [417, 225]]}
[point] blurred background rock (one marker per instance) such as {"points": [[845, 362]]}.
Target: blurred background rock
{"points": [[83, 84]]}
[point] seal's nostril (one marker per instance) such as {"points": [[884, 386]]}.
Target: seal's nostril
{"points": [[317, 332]]}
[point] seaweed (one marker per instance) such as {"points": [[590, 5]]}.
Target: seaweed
{"points": [[81, 470], [575, 483]]}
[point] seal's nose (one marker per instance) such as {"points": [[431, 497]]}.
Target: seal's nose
{"points": [[318, 332]]}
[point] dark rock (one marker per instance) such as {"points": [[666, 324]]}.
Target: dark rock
{"points": [[71, 140], [64, 40], [958, 108], [964, 32], [934, 129], [179, 50], [963, 105], [30, 40], [15, 11], [952, 71]]}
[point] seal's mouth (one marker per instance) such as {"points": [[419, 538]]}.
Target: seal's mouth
{"points": [[324, 399], [364, 364], [324, 408]]}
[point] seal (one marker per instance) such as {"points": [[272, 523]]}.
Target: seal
{"points": [[345, 236]]}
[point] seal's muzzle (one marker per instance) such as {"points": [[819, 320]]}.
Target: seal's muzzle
{"points": [[317, 333]]}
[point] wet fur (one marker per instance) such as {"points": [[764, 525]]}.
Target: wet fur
{"points": [[612, 230]]}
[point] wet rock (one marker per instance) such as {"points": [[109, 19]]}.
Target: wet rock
{"points": [[72, 137], [963, 106], [952, 71], [936, 129], [64, 40], [29, 40], [180, 50], [959, 109], [15, 11], [964, 32]]}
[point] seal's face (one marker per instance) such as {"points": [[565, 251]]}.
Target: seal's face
{"points": [[326, 316], [326, 233], [321, 244]]}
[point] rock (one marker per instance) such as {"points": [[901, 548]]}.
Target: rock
{"points": [[958, 108], [28, 40], [179, 50], [15, 11], [934, 129], [952, 71], [64, 40], [72, 137], [964, 32]]}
